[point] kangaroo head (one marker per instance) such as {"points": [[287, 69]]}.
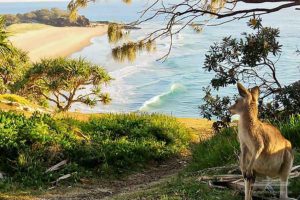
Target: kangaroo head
{"points": [[247, 102]]}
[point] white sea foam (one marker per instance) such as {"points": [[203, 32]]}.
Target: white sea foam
{"points": [[160, 99]]}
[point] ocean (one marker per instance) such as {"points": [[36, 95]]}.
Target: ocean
{"points": [[175, 86]]}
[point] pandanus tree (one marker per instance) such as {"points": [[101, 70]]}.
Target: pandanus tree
{"points": [[13, 65], [65, 81], [4, 43]]}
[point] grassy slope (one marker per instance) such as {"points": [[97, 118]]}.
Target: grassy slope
{"points": [[220, 150], [12, 102], [195, 125], [209, 153], [17, 99]]}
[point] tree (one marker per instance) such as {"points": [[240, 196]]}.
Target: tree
{"points": [[250, 59], [61, 81], [13, 66], [234, 60], [190, 13], [4, 43]]}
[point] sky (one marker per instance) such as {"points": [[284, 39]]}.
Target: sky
{"points": [[5, 1]]}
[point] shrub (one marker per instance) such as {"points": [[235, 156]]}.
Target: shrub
{"points": [[113, 143], [123, 140]]}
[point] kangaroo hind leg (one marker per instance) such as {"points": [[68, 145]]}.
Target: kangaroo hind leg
{"points": [[284, 174]]}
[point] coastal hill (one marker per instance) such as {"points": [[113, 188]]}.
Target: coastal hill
{"points": [[53, 17]]}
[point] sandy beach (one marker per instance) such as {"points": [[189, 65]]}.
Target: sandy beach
{"points": [[53, 42]]}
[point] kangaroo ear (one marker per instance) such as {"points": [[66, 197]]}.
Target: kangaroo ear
{"points": [[242, 90], [255, 93]]}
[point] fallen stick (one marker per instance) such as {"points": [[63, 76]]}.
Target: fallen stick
{"points": [[66, 176], [224, 177], [295, 168], [57, 166]]}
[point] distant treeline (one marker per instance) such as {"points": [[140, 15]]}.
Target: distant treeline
{"points": [[53, 17]]}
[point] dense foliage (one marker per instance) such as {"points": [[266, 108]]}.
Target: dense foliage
{"points": [[250, 59], [13, 66], [54, 17], [65, 81], [13, 62], [4, 44], [101, 146], [285, 103]]}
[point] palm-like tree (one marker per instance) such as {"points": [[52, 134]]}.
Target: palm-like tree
{"points": [[4, 43]]}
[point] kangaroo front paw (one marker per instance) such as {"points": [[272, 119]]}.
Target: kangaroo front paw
{"points": [[248, 175]]}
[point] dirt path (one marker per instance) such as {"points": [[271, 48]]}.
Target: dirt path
{"points": [[105, 189]]}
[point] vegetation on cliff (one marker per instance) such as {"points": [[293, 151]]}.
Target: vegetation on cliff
{"points": [[53, 17]]}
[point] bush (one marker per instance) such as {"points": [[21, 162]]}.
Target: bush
{"points": [[113, 143], [127, 139]]}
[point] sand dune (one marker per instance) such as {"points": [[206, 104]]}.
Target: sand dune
{"points": [[55, 41]]}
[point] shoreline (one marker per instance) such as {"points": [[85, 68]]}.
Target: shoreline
{"points": [[51, 42]]}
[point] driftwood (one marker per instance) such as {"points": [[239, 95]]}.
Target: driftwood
{"points": [[57, 166], [66, 176], [236, 182]]}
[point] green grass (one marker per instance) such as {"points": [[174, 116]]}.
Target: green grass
{"points": [[25, 27], [17, 99], [220, 150], [291, 130], [110, 145], [178, 188], [117, 144]]}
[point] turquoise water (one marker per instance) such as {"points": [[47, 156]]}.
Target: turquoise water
{"points": [[174, 86]]}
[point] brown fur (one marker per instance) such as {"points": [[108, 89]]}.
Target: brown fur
{"points": [[264, 151]]}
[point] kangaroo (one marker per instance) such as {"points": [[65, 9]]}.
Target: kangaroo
{"points": [[264, 151]]}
